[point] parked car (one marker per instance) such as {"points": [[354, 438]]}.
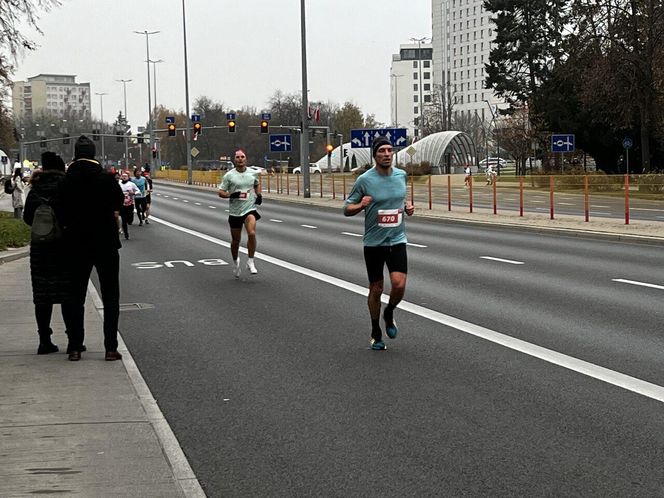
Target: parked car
{"points": [[313, 168], [257, 169], [493, 161]]}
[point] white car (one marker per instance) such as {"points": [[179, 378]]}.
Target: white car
{"points": [[257, 169], [493, 161], [313, 168]]}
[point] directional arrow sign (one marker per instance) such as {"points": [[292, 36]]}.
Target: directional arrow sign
{"points": [[562, 143], [170, 119], [364, 137], [280, 143]]}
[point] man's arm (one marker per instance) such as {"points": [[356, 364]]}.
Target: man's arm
{"points": [[353, 209]]}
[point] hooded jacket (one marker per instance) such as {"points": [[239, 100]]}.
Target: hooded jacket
{"points": [[90, 198]]}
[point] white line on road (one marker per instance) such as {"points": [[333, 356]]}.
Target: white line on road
{"points": [[352, 234], [566, 204], [175, 198], [198, 203], [309, 226], [412, 244], [647, 209], [500, 260], [636, 282], [600, 207], [606, 375], [277, 221], [212, 207], [185, 200]]}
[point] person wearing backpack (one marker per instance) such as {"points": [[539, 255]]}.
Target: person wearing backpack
{"points": [[17, 193], [48, 272]]}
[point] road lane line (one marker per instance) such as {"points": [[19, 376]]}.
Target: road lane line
{"points": [[212, 207], [412, 244], [636, 282], [309, 226], [600, 207], [500, 260], [198, 203], [352, 234], [588, 369], [647, 209], [566, 204], [185, 200], [277, 221]]}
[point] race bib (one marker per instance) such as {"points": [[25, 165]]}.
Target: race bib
{"points": [[244, 195], [390, 218]]}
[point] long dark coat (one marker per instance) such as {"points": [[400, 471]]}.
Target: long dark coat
{"points": [[49, 266]]}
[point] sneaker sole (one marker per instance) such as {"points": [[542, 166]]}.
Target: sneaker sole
{"points": [[392, 330]]}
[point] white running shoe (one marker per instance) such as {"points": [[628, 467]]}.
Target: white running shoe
{"points": [[236, 268], [251, 267]]}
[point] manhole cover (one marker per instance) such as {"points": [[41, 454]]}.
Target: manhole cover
{"points": [[135, 306]]}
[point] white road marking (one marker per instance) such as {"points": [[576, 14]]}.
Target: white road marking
{"points": [[276, 221], [600, 207], [566, 204], [352, 234], [197, 203], [175, 198], [166, 196], [414, 245], [500, 260], [185, 200], [600, 212], [636, 282], [227, 210], [309, 226], [603, 374], [212, 207], [536, 201], [647, 209]]}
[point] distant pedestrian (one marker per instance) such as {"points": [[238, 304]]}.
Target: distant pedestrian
{"points": [[49, 272], [92, 240], [129, 189], [17, 193], [241, 187], [139, 199], [148, 193], [468, 172]]}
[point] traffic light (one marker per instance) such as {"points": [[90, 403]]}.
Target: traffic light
{"points": [[329, 148], [231, 126], [65, 138], [95, 135], [198, 128], [139, 138], [171, 129], [264, 126]]}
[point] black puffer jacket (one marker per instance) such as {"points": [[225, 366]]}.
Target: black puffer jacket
{"points": [[48, 264]]}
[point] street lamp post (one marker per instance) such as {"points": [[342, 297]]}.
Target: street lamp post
{"points": [[126, 140], [186, 97], [396, 102], [304, 136], [154, 77], [419, 65], [101, 110], [150, 122]]}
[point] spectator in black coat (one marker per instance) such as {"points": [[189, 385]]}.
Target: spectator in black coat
{"points": [[48, 268], [92, 200]]}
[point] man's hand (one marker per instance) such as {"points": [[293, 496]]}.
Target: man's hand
{"points": [[234, 195], [366, 200], [259, 200], [409, 208]]}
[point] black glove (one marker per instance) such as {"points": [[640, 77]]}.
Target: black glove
{"points": [[234, 195], [259, 200]]}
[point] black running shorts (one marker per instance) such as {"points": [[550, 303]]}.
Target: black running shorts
{"points": [[238, 221], [377, 257]]}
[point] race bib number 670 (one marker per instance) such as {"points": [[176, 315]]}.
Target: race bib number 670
{"points": [[389, 218]]}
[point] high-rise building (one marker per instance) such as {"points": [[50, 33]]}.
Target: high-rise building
{"points": [[57, 94], [462, 34], [411, 85]]}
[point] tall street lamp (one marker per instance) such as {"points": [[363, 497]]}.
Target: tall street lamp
{"points": [[101, 110], [186, 97], [419, 42], [304, 137], [150, 122], [126, 140], [396, 102], [154, 82]]}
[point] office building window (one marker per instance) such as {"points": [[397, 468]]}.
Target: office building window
{"points": [[427, 98], [427, 64], [416, 110], [427, 87], [427, 75], [414, 76], [415, 64], [414, 98]]}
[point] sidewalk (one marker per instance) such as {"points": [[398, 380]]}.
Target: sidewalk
{"points": [[88, 428]]}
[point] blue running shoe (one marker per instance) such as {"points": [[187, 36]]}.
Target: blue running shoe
{"points": [[391, 330], [378, 345]]}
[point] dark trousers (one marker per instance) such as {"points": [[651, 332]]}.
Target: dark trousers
{"points": [[107, 264], [141, 205], [127, 216]]}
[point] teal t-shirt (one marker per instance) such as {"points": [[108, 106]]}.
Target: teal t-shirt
{"points": [[140, 183], [384, 217], [244, 182]]}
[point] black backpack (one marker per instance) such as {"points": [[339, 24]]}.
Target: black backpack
{"points": [[45, 226], [9, 188]]}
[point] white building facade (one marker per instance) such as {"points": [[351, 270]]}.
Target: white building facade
{"points": [[56, 94], [411, 85], [462, 34]]}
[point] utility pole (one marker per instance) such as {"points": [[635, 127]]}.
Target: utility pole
{"points": [[304, 137]]}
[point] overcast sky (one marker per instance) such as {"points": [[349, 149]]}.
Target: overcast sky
{"points": [[239, 51]]}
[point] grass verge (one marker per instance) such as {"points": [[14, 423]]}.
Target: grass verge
{"points": [[13, 232]]}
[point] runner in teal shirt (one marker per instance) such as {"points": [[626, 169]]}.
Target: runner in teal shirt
{"points": [[381, 194]]}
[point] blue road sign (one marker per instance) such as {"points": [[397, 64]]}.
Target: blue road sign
{"points": [[195, 118], [365, 137], [230, 116], [266, 116], [280, 143], [627, 143], [170, 119], [562, 143]]}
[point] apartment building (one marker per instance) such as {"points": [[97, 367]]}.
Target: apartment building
{"points": [[57, 94]]}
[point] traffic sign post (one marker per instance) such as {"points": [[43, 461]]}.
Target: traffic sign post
{"points": [[363, 138], [627, 144], [562, 143], [281, 143]]}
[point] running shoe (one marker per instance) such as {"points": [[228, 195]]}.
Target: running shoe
{"points": [[378, 345], [251, 267], [391, 329], [237, 269]]}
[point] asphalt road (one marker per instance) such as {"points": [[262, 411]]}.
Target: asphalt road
{"points": [[526, 364]]}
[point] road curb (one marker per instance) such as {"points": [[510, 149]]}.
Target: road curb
{"points": [[14, 254]]}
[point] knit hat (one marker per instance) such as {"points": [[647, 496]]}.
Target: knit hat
{"points": [[52, 161], [378, 143], [84, 148]]}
